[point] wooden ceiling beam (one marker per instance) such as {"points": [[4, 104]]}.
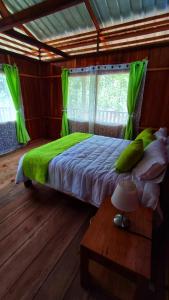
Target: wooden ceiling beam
{"points": [[77, 42], [71, 37], [8, 40], [5, 13], [135, 33], [84, 36], [79, 45], [94, 48], [135, 22], [112, 37], [103, 32], [122, 34], [150, 43], [8, 52], [34, 42], [152, 40], [34, 12], [95, 21], [43, 54], [24, 51], [136, 27], [162, 43], [133, 42], [92, 15]]}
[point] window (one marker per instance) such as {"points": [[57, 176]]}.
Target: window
{"points": [[101, 98], [7, 109]]}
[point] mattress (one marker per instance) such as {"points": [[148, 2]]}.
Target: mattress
{"points": [[86, 171]]}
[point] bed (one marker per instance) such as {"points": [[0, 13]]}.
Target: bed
{"points": [[86, 171]]}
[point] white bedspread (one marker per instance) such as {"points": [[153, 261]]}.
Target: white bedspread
{"points": [[86, 171]]}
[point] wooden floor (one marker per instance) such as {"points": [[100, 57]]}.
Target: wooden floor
{"points": [[40, 233], [9, 163]]}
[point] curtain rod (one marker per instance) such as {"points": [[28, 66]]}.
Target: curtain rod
{"points": [[58, 75], [109, 67]]}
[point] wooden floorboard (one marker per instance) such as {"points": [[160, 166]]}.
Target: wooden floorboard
{"points": [[64, 270], [75, 285], [16, 219], [37, 227], [14, 206], [8, 190], [9, 163], [24, 232], [28, 251], [40, 234], [35, 275]]}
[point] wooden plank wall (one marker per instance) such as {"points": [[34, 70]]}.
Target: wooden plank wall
{"points": [[53, 110], [155, 109], [34, 91], [42, 97]]}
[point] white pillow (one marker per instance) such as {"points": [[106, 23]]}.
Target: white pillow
{"points": [[153, 162], [161, 134]]}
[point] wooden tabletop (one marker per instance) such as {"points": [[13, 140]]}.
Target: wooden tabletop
{"points": [[130, 249]]}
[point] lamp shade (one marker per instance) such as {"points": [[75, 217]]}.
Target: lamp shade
{"points": [[125, 196]]}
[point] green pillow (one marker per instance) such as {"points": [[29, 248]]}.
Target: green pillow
{"points": [[130, 156], [147, 136]]}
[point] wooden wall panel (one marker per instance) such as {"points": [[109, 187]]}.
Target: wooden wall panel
{"points": [[35, 92], [53, 108], [35, 127], [155, 109], [42, 95], [53, 127]]}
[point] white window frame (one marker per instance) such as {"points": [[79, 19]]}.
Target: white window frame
{"points": [[7, 109], [106, 117]]}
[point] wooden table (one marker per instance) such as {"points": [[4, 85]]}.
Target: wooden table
{"points": [[125, 251]]}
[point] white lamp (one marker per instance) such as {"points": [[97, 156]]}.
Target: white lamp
{"points": [[125, 198]]}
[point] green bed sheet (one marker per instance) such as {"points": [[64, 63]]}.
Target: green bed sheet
{"points": [[36, 161]]}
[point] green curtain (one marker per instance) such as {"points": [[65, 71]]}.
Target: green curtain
{"points": [[65, 126], [137, 71], [12, 78]]}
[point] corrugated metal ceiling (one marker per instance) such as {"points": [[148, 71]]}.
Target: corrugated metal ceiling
{"points": [[77, 19], [109, 12], [72, 30], [74, 19]]}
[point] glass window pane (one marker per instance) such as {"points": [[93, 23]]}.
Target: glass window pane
{"points": [[112, 98], [100, 98], [7, 110], [78, 98]]}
